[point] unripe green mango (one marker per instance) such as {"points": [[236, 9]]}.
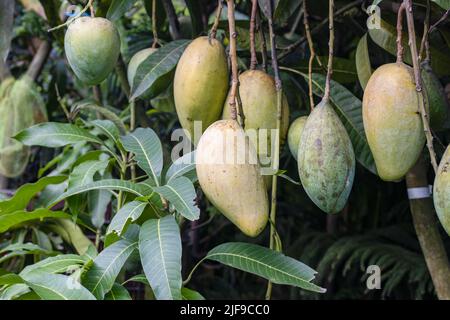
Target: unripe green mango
{"points": [[392, 120], [92, 48], [441, 191], [294, 134], [259, 102], [437, 101], [135, 61], [200, 84], [230, 176], [326, 160]]}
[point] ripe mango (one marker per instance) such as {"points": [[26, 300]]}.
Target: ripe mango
{"points": [[200, 84], [92, 48], [441, 191], [326, 160], [392, 120], [294, 134], [230, 176], [437, 101]]}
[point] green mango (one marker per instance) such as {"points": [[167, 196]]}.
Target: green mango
{"points": [[437, 101], [200, 84], [441, 191], [92, 47], [392, 121], [326, 160], [294, 134], [230, 176]]}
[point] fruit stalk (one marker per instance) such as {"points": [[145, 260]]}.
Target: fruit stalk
{"points": [[155, 32], [86, 8], [426, 226], [424, 44], [400, 48], [418, 80], [276, 152], [312, 53], [212, 33], [253, 59], [326, 96]]}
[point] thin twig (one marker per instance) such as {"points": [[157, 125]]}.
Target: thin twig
{"points": [[418, 80], [173, 20], [233, 58], [69, 21], [274, 244], [39, 60], [437, 23], [326, 95], [155, 32], [311, 52], [262, 39], [213, 32], [400, 48], [424, 44], [121, 71], [253, 59]]}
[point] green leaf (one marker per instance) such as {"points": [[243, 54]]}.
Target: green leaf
{"points": [[53, 134], [386, 37], [10, 279], [137, 278], [127, 214], [72, 234], [362, 60], [26, 192], [107, 265], [118, 8], [147, 149], [188, 294], [6, 28], [444, 4], [160, 251], [83, 174], [195, 13], [14, 291], [344, 70], [58, 264], [349, 110], [266, 8], [20, 249], [284, 9], [57, 287], [266, 263], [118, 292], [139, 189], [157, 65], [183, 166], [12, 219], [181, 194], [109, 129], [93, 107]]}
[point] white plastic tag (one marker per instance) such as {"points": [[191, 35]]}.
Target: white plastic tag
{"points": [[420, 193]]}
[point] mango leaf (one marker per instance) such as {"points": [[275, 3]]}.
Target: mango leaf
{"points": [[83, 174], [127, 214], [57, 287], [139, 189], [138, 278], [10, 278], [344, 70], [118, 292], [147, 149], [444, 4], [72, 234], [118, 8], [181, 194], [101, 276], [386, 37], [157, 65], [195, 13], [14, 291], [26, 192], [160, 251], [183, 166], [189, 294], [109, 129], [20, 249], [93, 107], [284, 9], [266, 7], [12, 219], [362, 60], [57, 264], [53, 134], [266, 263], [6, 28], [349, 110]]}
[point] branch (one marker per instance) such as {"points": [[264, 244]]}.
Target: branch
{"points": [[442, 19], [212, 33], [311, 52], [155, 32], [326, 95], [173, 20], [233, 58], [418, 80], [253, 59], [39, 60], [121, 71]]}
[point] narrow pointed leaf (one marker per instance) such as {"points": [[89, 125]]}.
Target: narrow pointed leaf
{"points": [[118, 8], [58, 264], [266, 263], [101, 276], [118, 292], [9, 220], [183, 166], [362, 60], [160, 251], [83, 174], [147, 149], [109, 129], [181, 194], [127, 214]]}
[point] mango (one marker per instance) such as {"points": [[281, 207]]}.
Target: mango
{"points": [[92, 47], [441, 191], [326, 160], [392, 121], [230, 176], [437, 101], [200, 84], [294, 134]]}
